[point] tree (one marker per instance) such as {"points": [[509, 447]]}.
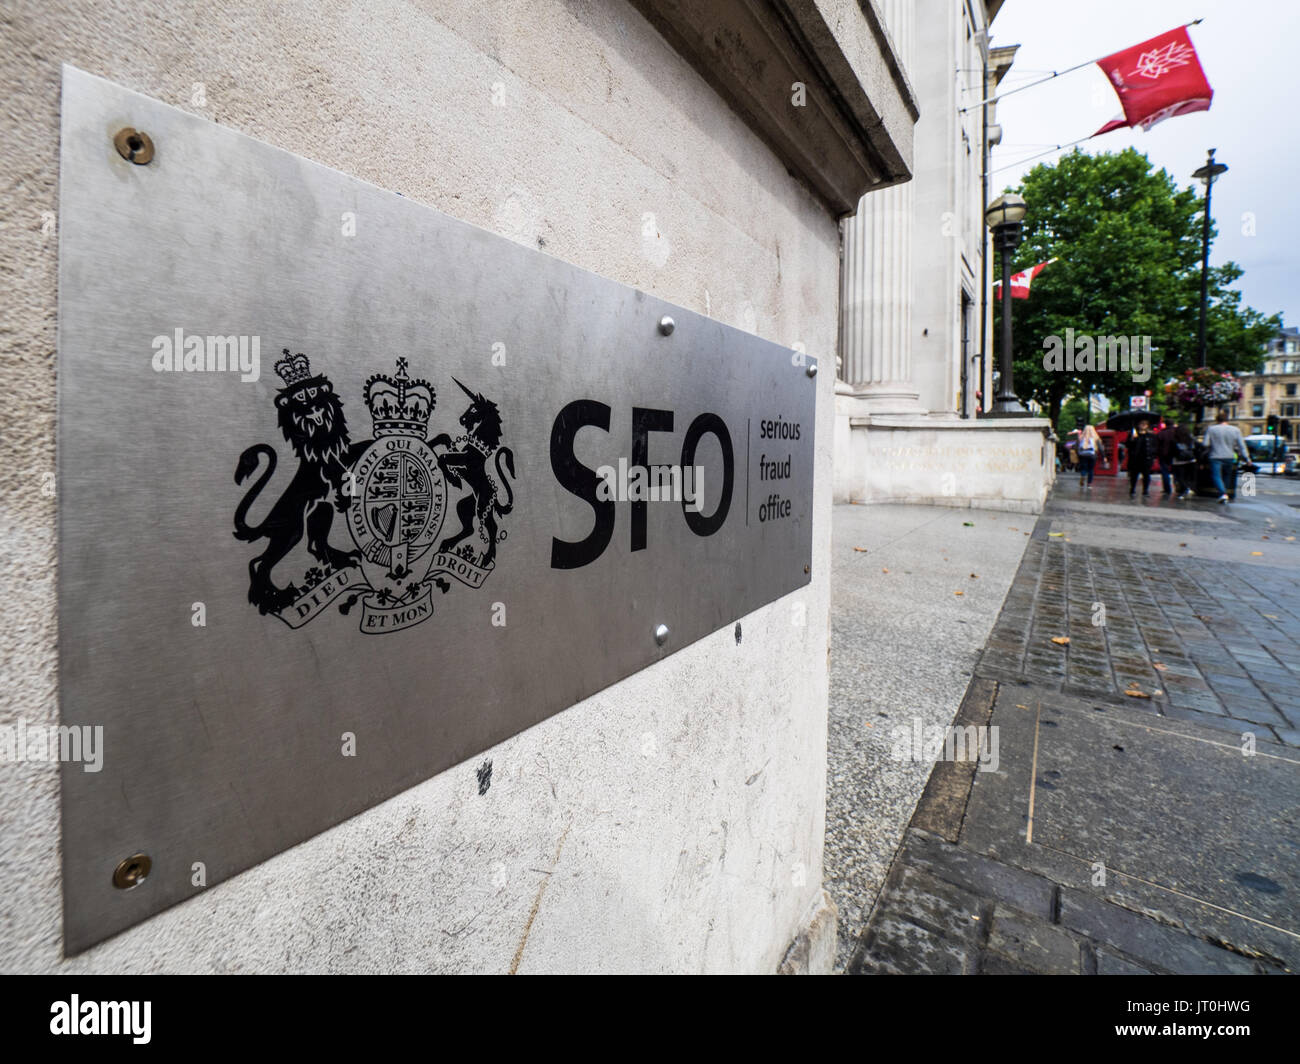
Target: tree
{"points": [[1128, 245], [1074, 414]]}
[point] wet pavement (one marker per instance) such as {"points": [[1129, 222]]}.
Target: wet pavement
{"points": [[1141, 814]]}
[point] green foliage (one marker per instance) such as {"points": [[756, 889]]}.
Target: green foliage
{"points": [[1074, 415], [1128, 241]]}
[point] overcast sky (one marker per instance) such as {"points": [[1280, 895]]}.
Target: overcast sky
{"points": [[1248, 51]]}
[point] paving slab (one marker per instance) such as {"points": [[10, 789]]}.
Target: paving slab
{"points": [[1115, 788], [1121, 835]]}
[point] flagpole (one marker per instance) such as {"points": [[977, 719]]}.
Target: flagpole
{"points": [[1050, 77], [1031, 158]]}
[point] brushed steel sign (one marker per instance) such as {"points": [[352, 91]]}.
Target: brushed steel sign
{"points": [[350, 491]]}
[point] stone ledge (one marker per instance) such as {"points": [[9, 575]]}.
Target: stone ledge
{"points": [[984, 464], [898, 421], [1009, 506], [849, 138]]}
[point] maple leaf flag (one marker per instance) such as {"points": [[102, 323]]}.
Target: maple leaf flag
{"points": [[1021, 281], [1155, 80]]}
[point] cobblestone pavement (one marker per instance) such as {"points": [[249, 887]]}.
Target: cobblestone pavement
{"points": [[1110, 833], [1203, 638]]}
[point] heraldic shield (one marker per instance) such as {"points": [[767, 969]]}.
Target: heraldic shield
{"points": [[393, 491]]}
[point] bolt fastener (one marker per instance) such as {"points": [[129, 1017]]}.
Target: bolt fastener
{"points": [[134, 145], [661, 634], [133, 871], [667, 325]]}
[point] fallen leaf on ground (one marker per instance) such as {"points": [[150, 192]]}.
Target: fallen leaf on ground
{"points": [[968, 524], [1257, 554], [974, 576], [1012, 528], [1271, 616], [1135, 693], [868, 724], [884, 570], [1160, 665], [1056, 533], [1263, 537], [1061, 640], [959, 592], [1290, 539], [1182, 544], [1019, 706], [861, 550]]}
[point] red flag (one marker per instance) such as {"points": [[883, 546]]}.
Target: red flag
{"points": [[1157, 79], [1021, 281]]}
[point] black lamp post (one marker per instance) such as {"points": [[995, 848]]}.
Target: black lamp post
{"points": [[1004, 217], [1206, 174]]}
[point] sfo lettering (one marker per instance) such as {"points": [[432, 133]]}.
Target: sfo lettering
{"points": [[584, 482]]}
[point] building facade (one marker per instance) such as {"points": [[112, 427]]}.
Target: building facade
{"points": [[916, 331], [674, 822], [1272, 392]]}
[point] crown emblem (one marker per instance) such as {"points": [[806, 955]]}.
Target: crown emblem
{"points": [[398, 405], [293, 368]]}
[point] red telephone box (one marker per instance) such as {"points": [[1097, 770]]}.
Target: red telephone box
{"points": [[1108, 460]]}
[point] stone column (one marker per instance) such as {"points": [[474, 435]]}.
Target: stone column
{"points": [[876, 294]]}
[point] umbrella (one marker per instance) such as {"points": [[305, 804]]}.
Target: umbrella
{"points": [[1127, 420]]}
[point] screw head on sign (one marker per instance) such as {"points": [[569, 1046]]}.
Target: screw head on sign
{"points": [[134, 145], [132, 871], [812, 370], [667, 325], [661, 634]]}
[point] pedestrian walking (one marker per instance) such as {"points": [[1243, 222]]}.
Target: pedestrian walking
{"points": [[1182, 457], [1141, 457], [1165, 453], [1089, 447], [1224, 443]]}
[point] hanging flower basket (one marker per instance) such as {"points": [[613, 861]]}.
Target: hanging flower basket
{"points": [[1198, 388]]}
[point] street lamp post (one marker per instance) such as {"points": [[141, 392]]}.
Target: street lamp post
{"points": [[1004, 217], [1206, 174]]}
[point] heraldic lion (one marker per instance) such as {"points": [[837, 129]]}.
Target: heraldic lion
{"points": [[310, 415]]}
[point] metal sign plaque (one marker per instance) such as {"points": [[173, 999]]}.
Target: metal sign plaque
{"points": [[350, 491]]}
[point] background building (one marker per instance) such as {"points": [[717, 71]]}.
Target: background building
{"points": [[1275, 390]]}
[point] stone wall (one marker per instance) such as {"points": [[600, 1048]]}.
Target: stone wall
{"points": [[674, 822]]}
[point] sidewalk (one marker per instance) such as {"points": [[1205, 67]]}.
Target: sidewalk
{"points": [[903, 648], [1152, 831]]}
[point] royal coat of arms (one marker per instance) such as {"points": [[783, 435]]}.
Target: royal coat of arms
{"points": [[393, 492]]}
